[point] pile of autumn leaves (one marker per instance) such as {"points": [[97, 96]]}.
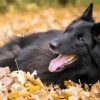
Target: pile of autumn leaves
{"points": [[20, 85]]}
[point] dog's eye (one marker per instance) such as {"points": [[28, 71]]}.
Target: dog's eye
{"points": [[69, 29], [80, 37]]}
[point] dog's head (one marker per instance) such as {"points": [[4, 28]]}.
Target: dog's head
{"points": [[76, 41]]}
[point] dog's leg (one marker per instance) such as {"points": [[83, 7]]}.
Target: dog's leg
{"points": [[8, 53]]}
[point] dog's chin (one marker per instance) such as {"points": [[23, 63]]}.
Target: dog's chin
{"points": [[62, 62]]}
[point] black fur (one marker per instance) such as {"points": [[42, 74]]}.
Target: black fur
{"points": [[33, 52]]}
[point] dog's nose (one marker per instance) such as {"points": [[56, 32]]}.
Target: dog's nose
{"points": [[54, 45]]}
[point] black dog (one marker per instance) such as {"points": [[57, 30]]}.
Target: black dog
{"points": [[59, 55]]}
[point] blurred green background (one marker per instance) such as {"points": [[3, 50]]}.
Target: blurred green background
{"points": [[6, 5]]}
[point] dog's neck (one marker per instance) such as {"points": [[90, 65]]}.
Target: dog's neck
{"points": [[95, 54]]}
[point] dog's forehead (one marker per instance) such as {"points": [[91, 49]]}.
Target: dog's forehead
{"points": [[81, 24]]}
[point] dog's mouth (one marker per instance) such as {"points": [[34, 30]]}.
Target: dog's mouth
{"points": [[61, 62]]}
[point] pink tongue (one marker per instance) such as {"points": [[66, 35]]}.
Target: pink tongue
{"points": [[57, 62]]}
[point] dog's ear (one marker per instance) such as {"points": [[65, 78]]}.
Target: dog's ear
{"points": [[96, 30], [88, 13]]}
